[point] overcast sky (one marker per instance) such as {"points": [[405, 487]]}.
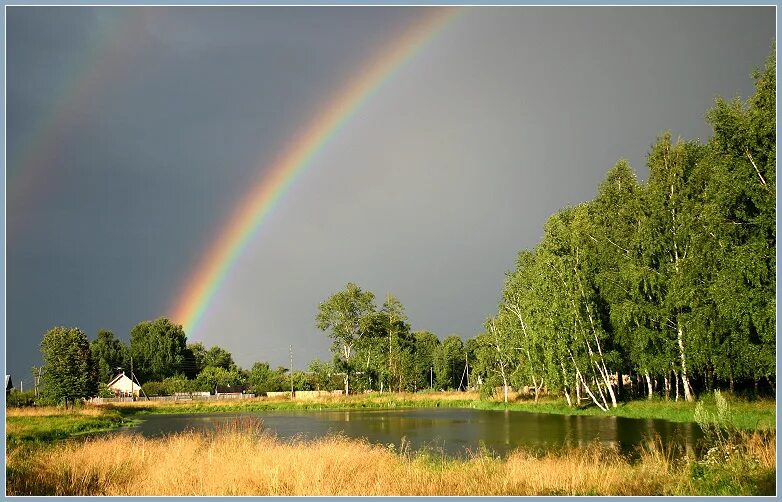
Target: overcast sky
{"points": [[133, 133]]}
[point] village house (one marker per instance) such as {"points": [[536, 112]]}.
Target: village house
{"points": [[8, 384], [122, 386]]}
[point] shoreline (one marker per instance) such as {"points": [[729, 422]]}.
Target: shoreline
{"points": [[745, 415]]}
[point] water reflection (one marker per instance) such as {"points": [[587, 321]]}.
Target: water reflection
{"points": [[454, 432]]}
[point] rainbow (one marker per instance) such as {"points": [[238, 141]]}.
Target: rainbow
{"points": [[275, 182]]}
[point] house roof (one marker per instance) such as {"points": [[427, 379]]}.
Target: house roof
{"points": [[229, 389], [116, 379]]}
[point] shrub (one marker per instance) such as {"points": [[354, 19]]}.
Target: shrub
{"points": [[20, 399]]}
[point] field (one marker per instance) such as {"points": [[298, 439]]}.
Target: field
{"points": [[51, 452]]}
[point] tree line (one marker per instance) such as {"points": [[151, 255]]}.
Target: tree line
{"points": [[162, 362], [665, 286], [672, 281]]}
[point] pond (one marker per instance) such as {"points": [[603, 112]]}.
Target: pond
{"points": [[452, 431]]}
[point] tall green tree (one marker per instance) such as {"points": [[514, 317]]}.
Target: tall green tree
{"points": [[346, 315], [158, 349], [740, 216], [426, 344], [69, 372], [109, 353], [397, 332], [449, 363], [262, 378]]}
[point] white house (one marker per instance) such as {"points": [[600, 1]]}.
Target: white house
{"points": [[122, 386]]}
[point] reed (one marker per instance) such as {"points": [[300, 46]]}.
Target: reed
{"points": [[241, 459]]}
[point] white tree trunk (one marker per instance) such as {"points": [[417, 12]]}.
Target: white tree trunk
{"points": [[580, 378], [676, 381], [649, 385], [685, 381]]}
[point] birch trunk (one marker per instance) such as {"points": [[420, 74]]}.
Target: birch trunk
{"points": [[685, 381], [580, 378], [667, 386], [649, 385], [602, 366], [676, 381]]}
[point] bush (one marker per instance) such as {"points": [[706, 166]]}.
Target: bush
{"points": [[154, 388], [104, 391], [19, 399]]}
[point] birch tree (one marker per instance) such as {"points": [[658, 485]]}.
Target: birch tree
{"points": [[346, 314]]}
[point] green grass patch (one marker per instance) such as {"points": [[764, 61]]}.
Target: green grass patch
{"points": [[746, 415], [45, 429]]}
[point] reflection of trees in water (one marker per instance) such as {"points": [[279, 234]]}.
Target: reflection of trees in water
{"points": [[456, 431]]}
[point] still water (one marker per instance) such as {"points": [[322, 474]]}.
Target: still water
{"points": [[454, 432]]}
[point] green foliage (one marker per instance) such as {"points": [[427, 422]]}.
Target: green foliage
{"points": [[19, 399], [449, 361], [158, 349], [322, 375], [262, 378], [673, 279], [104, 391], [109, 354], [426, 345], [347, 316], [213, 377], [69, 373]]}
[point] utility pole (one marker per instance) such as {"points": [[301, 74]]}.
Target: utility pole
{"points": [[36, 379], [290, 348], [467, 369], [132, 393], [431, 377]]}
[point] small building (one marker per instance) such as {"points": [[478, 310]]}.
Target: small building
{"points": [[229, 390], [9, 385], [122, 386]]}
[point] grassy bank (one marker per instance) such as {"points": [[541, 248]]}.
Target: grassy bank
{"points": [[47, 424], [746, 415], [240, 461]]}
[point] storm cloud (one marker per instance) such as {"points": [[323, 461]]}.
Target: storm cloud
{"points": [[133, 133]]}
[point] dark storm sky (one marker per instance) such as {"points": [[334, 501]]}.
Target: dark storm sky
{"points": [[133, 133]]}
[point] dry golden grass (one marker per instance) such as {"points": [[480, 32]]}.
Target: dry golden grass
{"points": [[374, 398], [239, 460], [50, 411]]}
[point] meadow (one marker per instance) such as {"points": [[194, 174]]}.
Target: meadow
{"points": [[239, 460], [54, 452]]}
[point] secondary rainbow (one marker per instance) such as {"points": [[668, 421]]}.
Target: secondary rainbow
{"points": [[34, 169], [209, 275]]}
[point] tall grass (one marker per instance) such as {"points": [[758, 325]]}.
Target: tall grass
{"points": [[239, 459], [50, 411]]}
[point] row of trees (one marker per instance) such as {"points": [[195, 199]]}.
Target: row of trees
{"points": [[375, 349], [672, 280], [666, 285], [159, 357]]}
